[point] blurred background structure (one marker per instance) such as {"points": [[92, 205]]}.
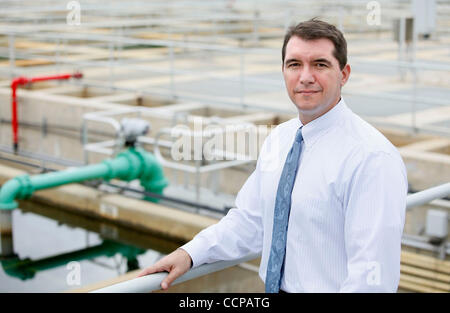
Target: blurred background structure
{"points": [[185, 63]]}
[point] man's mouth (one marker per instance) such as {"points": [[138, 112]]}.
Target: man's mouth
{"points": [[308, 92]]}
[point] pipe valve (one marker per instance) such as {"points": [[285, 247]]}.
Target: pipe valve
{"points": [[132, 128]]}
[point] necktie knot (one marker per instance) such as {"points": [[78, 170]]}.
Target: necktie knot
{"points": [[298, 135]]}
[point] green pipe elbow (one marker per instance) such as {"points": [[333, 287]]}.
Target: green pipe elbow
{"points": [[152, 177], [141, 165], [19, 187]]}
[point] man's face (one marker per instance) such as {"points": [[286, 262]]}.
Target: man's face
{"points": [[312, 76]]}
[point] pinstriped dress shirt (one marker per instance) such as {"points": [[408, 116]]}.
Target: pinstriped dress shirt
{"points": [[347, 212]]}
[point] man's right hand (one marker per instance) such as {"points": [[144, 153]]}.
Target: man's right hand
{"points": [[176, 264]]}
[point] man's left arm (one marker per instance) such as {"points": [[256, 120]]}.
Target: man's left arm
{"points": [[375, 203]]}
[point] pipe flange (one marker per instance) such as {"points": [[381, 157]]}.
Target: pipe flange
{"points": [[27, 187]]}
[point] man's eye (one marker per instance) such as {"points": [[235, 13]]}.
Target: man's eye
{"points": [[293, 64], [321, 65]]}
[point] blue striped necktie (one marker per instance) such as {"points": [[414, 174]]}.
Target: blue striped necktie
{"points": [[275, 266]]}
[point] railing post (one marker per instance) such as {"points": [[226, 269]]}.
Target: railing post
{"points": [[172, 74], [111, 64], [242, 78], [12, 55]]}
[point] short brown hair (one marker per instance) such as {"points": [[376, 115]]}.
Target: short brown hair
{"points": [[317, 29]]}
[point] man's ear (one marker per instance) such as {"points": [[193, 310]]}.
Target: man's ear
{"points": [[345, 74]]}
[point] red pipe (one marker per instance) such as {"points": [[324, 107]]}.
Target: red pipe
{"points": [[23, 81]]}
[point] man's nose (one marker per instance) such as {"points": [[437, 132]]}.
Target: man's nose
{"points": [[306, 76]]}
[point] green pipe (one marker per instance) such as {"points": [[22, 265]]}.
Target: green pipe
{"points": [[133, 163], [27, 268]]}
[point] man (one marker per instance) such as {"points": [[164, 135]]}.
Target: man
{"points": [[336, 226]]}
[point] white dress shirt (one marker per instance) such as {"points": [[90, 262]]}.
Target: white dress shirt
{"points": [[347, 213]]}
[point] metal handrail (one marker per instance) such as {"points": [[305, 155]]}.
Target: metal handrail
{"points": [[152, 282], [427, 195]]}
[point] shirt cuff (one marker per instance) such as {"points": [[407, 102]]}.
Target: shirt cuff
{"points": [[195, 249]]}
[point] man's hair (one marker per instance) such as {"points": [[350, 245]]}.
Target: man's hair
{"points": [[317, 29]]}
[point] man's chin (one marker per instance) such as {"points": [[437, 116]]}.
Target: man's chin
{"points": [[309, 108], [312, 111]]}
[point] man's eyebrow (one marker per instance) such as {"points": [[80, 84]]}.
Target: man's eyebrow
{"points": [[322, 60], [290, 60]]}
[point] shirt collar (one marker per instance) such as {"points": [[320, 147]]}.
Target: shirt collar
{"points": [[318, 127]]}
